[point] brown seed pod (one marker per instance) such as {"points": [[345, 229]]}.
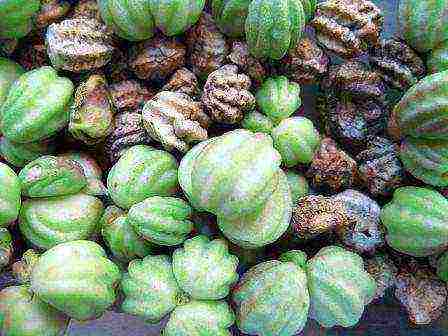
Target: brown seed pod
{"points": [[86, 9], [117, 69], [314, 215], [91, 113], [380, 169], [51, 11], [306, 62], [226, 95], [157, 58], [183, 81], [129, 95], [241, 57], [32, 53], [175, 120], [332, 170], [397, 63], [78, 44], [384, 271], [347, 27], [207, 47], [127, 131]]}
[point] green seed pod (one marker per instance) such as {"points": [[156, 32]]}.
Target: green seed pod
{"points": [[150, 289], [19, 154], [92, 172], [162, 220], [200, 318], [173, 17], [120, 237], [46, 222], [131, 20], [6, 248], [230, 16], [77, 279], [423, 23], [274, 26], [10, 200], [263, 227], [23, 268], [15, 17], [438, 59], [231, 175], [257, 122], [9, 72], [272, 298], [23, 314], [442, 267], [278, 98], [36, 106], [298, 185], [142, 172], [416, 220], [192, 265], [91, 113], [339, 287], [296, 139], [52, 176]]}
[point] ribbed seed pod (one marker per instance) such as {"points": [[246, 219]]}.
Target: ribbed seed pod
{"points": [[78, 45]]}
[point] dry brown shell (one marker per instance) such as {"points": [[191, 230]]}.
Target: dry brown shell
{"points": [[127, 131], [306, 62], [384, 271], [248, 64], [183, 81], [226, 95], [51, 11], [32, 53], [332, 170], [157, 58], [347, 27], [422, 294], [86, 9], [397, 63], [207, 47], [314, 215], [129, 95], [78, 45], [175, 120]]}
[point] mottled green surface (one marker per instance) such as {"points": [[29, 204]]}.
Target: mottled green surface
{"points": [[442, 267], [309, 6], [142, 172], [273, 26], [131, 20], [16, 17], [150, 289], [9, 72], [76, 278], [339, 287], [37, 106], [296, 139], [173, 17], [231, 175], [416, 221], [120, 237], [272, 299], [423, 23], [298, 185], [23, 314], [46, 222], [257, 122], [205, 269], [162, 220], [51, 176], [278, 98], [6, 247], [230, 16], [92, 172], [200, 318], [9, 201], [438, 59], [19, 154], [264, 227]]}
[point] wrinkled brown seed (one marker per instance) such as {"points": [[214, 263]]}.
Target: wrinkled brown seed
{"points": [[384, 271], [226, 95], [51, 11], [175, 120], [248, 64], [129, 95], [183, 81]]}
